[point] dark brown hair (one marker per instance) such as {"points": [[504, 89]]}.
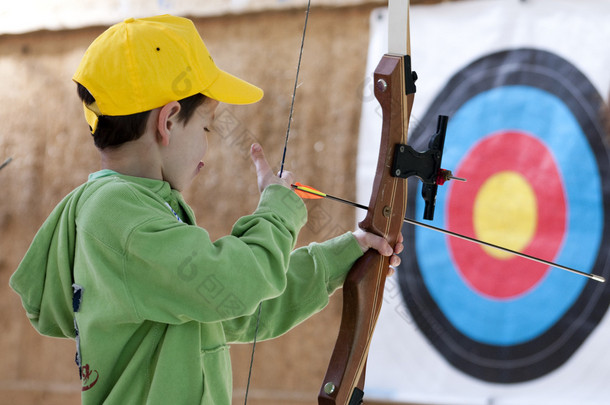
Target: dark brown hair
{"points": [[113, 131]]}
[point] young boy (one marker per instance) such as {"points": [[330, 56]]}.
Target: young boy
{"points": [[120, 264]]}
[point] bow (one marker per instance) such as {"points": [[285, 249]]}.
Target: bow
{"points": [[363, 288]]}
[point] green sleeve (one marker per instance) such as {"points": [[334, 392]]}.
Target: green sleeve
{"points": [[174, 273], [314, 273]]}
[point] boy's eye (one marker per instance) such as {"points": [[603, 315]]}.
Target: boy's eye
{"points": [[206, 129]]}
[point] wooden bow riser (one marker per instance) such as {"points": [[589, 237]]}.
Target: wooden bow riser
{"points": [[363, 288]]}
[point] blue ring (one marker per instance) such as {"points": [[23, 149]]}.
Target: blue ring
{"points": [[481, 318]]}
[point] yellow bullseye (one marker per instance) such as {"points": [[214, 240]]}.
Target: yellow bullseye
{"points": [[505, 213]]}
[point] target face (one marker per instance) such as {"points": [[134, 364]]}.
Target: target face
{"points": [[525, 131]]}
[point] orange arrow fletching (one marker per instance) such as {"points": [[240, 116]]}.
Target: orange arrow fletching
{"points": [[307, 192]]}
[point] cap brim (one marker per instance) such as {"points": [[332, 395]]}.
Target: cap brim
{"points": [[233, 90]]}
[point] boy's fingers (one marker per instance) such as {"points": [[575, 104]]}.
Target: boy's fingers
{"points": [[380, 244], [383, 247], [264, 173], [399, 248], [258, 158], [369, 240]]}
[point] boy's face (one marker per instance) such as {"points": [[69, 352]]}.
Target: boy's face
{"points": [[188, 146]]}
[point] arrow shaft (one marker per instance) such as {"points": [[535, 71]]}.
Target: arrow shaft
{"points": [[513, 252], [353, 204], [473, 240]]}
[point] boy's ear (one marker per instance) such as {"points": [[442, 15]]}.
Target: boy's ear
{"points": [[167, 120]]}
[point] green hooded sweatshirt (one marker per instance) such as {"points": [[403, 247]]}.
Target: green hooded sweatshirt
{"points": [[160, 300]]}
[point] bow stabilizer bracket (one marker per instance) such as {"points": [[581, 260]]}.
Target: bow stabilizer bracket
{"points": [[424, 165]]}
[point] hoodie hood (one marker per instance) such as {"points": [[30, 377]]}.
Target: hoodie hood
{"points": [[44, 278]]}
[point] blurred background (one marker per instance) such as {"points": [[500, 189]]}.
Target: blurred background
{"points": [[460, 325]]}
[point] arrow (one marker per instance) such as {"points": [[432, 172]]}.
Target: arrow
{"points": [[308, 192]]}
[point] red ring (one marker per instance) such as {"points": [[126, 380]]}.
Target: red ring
{"points": [[525, 154]]}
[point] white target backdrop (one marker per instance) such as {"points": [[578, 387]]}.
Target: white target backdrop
{"points": [[408, 360]]}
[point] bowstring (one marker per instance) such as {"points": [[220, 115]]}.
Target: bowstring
{"points": [[294, 92], [258, 318]]}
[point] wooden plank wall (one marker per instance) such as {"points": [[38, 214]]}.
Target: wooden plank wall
{"points": [[45, 133]]}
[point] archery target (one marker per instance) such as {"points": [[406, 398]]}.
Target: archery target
{"points": [[524, 130]]}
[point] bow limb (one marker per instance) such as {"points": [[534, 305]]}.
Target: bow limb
{"points": [[363, 288]]}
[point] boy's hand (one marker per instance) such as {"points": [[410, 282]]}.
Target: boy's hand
{"points": [[263, 170], [368, 240]]}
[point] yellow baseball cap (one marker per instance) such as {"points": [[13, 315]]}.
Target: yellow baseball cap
{"points": [[145, 63]]}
